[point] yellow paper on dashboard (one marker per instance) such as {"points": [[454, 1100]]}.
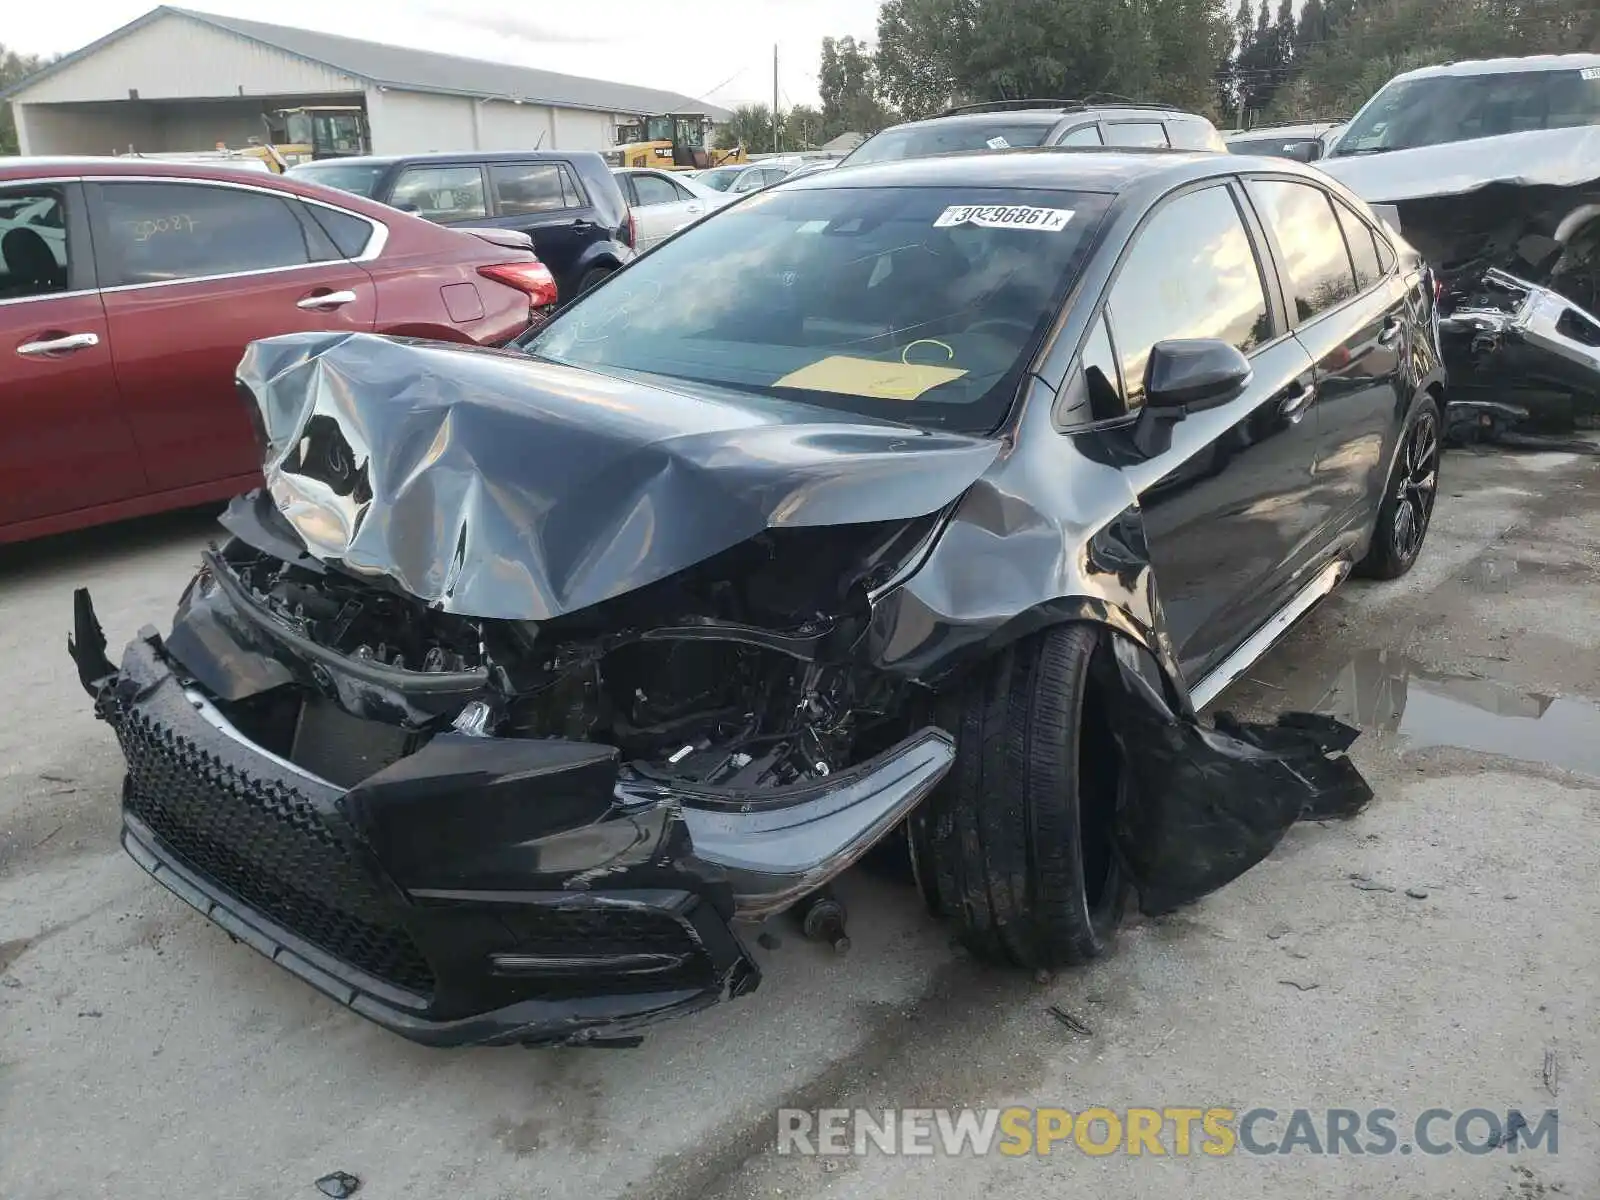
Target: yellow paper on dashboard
{"points": [[868, 377]]}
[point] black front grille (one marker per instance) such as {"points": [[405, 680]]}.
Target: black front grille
{"points": [[265, 843]]}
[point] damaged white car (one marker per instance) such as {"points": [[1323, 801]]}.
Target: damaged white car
{"points": [[1494, 166]]}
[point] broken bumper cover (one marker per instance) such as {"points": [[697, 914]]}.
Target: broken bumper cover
{"points": [[479, 891]]}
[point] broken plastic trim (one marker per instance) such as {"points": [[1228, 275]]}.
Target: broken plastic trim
{"points": [[790, 842], [1522, 354], [1199, 807]]}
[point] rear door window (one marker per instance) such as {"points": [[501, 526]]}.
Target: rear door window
{"points": [[33, 242], [1083, 135], [524, 189], [349, 234], [1191, 273], [1315, 262], [653, 189], [159, 232], [1358, 237], [442, 194], [1136, 133]]}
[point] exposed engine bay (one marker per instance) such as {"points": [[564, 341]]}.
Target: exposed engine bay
{"points": [[749, 685]]}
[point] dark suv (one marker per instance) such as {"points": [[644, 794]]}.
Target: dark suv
{"points": [[1005, 124], [567, 202]]}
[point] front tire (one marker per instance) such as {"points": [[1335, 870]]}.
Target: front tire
{"points": [[1408, 498], [1016, 842]]}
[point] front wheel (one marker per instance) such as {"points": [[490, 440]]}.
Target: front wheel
{"points": [[1408, 500], [1016, 842]]}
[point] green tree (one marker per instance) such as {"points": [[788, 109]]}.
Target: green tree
{"points": [[803, 128], [751, 127], [931, 52], [1312, 30], [848, 84], [14, 68], [916, 58]]}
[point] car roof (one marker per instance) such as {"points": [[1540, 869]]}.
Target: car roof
{"points": [[1312, 129], [1505, 66], [389, 160], [1048, 114], [1063, 167], [37, 166], [21, 170]]}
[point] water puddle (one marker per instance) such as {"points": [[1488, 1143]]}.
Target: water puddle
{"points": [[1384, 691]]}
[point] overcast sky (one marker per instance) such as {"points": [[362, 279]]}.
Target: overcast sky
{"points": [[717, 50]]}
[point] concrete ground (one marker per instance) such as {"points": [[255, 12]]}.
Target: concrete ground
{"points": [[143, 1054]]}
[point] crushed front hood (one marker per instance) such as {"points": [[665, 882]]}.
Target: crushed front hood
{"points": [[495, 486], [1536, 158]]}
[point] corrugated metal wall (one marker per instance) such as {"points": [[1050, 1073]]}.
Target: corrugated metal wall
{"points": [[177, 57], [417, 122]]}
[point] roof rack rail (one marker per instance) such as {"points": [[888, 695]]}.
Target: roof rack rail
{"points": [[1010, 106], [1093, 100], [1117, 100], [1271, 125]]}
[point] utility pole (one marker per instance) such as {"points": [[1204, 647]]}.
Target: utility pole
{"points": [[775, 146]]}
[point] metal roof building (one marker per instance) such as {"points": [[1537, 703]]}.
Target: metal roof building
{"points": [[176, 79]]}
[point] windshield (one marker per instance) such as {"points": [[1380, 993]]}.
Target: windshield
{"points": [[920, 305], [360, 178], [1457, 108], [951, 137], [719, 179]]}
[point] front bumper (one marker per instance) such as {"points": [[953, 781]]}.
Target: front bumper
{"points": [[478, 891]]}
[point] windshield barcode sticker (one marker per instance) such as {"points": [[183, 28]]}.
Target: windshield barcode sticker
{"points": [[1007, 216], [1590, 72], [998, 143]]}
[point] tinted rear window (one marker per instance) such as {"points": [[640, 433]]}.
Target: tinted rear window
{"points": [[953, 137], [349, 234], [360, 178], [920, 305]]}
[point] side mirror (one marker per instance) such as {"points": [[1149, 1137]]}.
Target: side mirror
{"points": [[1183, 376]]}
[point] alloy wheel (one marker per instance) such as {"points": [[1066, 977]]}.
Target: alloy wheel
{"points": [[1416, 486]]}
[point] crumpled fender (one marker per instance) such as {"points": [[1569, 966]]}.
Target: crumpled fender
{"points": [[1200, 805]]}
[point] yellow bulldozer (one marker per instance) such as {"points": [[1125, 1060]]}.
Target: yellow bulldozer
{"points": [[670, 142]]}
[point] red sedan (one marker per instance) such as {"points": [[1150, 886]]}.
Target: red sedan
{"points": [[129, 288]]}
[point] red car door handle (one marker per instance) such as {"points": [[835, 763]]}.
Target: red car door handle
{"points": [[63, 343], [317, 301]]}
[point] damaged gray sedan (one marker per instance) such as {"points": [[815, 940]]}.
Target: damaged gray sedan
{"points": [[915, 507]]}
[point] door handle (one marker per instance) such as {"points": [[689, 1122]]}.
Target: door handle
{"points": [[326, 300], [695, 210], [1295, 399], [67, 343], [580, 224], [1392, 325]]}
